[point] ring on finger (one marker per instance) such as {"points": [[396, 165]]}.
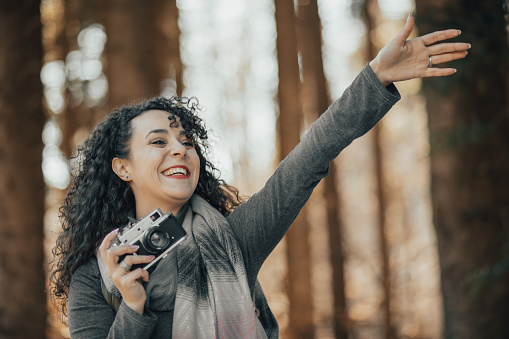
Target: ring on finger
{"points": [[430, 63], [125, 266]]}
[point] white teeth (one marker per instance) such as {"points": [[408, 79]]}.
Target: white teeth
{"points": [[175, 170]]}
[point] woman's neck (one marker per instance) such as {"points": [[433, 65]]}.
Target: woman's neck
{"points": [[143, 209]]}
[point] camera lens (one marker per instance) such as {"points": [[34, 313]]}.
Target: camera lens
{"points": [[157, 239]]}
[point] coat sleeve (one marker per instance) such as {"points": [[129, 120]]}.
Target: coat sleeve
{"points": [[261, 222], [90, 316]]}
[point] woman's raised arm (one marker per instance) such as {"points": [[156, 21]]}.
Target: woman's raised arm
{"points": [[261, 222]]}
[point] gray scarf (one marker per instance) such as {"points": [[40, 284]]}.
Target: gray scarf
{"points": [[213, 298]]}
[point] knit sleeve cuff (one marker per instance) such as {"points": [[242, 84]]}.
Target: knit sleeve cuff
{"points": [[133, 324], [389, 93]]}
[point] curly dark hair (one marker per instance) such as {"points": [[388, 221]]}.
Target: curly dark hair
{"points": [[98, 201]]}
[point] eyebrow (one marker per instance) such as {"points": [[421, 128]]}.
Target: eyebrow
{"points": [[155, 131], [162, 130]]}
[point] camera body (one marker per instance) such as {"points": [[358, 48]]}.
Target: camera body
{"points": [[156, 234]]}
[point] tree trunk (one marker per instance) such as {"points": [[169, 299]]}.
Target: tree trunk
{"points": [[289, 128], [316, 101], [171, 29], [78, 15], [53, 30], [22, 301], [132, 51], [371, 14], [469, 130]]}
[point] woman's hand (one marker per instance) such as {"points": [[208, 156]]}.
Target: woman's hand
{"points": [[129, 283], [403, 59]]}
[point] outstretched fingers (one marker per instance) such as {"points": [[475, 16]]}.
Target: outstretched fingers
{"points": [[440, 59], [439, 72], [431, 38], [448, 48], [443, 52], [402, 59]]}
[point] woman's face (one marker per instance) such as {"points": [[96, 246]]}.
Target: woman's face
{"points": [[163, 165]]}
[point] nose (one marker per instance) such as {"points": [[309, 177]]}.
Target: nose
{"points": [[178, 150]]}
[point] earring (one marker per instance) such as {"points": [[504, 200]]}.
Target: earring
{"points": [[127, 177]]}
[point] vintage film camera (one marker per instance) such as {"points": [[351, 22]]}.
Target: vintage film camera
{"points": [[156, 234]]}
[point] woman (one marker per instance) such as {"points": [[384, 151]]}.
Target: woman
{"points": [[151, 155]]}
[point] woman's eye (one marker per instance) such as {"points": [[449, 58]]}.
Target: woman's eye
{"points": [[158, 142], [188, 144]]}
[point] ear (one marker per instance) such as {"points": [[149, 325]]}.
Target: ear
{"points": [[120, 167]]}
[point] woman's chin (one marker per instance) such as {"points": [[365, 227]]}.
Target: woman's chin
{"points": [[179, 199]]}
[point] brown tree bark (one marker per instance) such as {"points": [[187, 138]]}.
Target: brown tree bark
{"points": [[316, 101], [371, 14], [171, 30], [22, 188], [469, 130], [289, 128], [78, 15], [133, 67], [53, 30]]}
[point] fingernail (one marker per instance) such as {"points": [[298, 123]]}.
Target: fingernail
{"points": [[469, 46], [151, 257], [459, 32], [455, 70], [114, 231], [135, 247], [408, 17]]}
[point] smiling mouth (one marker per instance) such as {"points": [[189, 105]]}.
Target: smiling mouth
{"points": [[181, 172]]}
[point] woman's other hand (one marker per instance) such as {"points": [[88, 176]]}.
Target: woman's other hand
{"points": [[129, 283], [403, 59]]}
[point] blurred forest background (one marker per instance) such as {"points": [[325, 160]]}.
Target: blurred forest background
{"points": [[406, 238]]}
